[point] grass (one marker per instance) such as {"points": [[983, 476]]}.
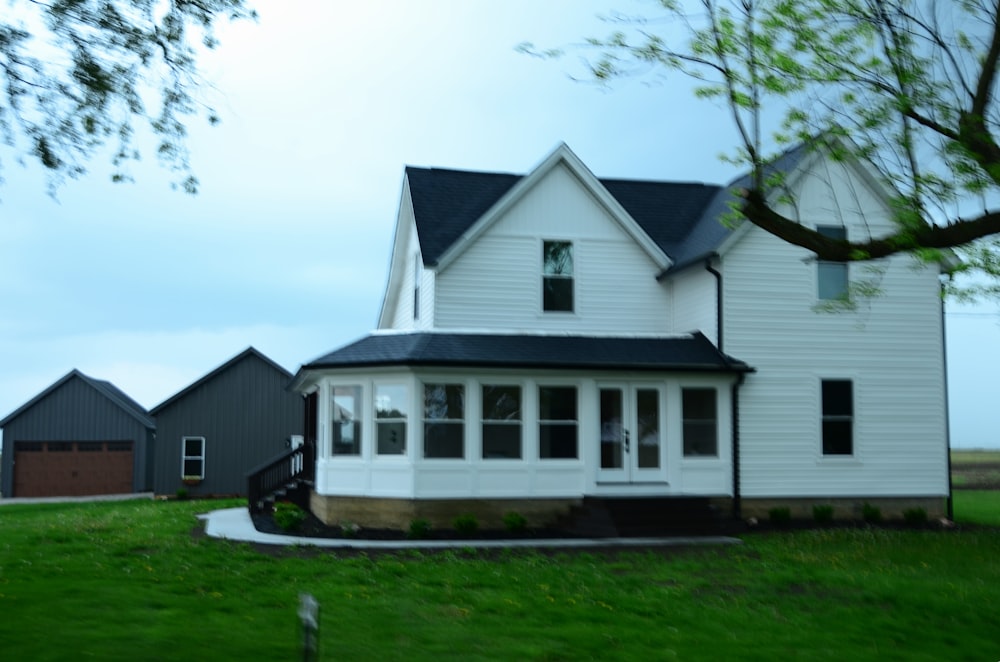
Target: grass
{"points": [[128, 581]]}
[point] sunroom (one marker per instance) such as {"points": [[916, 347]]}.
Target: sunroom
{"points": [[428, 424]]}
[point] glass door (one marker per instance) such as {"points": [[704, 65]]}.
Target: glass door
{"points": [[631, 433]]}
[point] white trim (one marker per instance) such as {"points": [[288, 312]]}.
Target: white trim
{"points": [[564, 155], [185, 457]]}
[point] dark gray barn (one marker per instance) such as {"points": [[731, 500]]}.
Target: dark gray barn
{"points": [[223, 425], [78, 437]]}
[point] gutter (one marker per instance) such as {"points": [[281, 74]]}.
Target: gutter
{"points": [[735, 397], [947, 409]]}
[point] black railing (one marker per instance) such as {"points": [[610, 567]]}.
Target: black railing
{"points": [[296, 464]]}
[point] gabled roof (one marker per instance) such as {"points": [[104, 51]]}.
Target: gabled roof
{"points": [[683, 219], [452, 207], [247, 353], [708, 232], [574, 352], [105, 388]]}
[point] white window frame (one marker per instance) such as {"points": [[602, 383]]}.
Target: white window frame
{"points": [[851, 418], [481, 384], [571, 277], [458, 422], [833, 232], [185, 457]]}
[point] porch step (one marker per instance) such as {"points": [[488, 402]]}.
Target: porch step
{"points": [[602, 517]]}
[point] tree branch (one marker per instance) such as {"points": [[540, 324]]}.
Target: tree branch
{"points": [[957, 233]]}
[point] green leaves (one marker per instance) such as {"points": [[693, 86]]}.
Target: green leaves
{"points": [[96, 70]]}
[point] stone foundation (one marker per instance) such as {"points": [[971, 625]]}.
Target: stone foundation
{"points": [[383, 513], [892, 508]]}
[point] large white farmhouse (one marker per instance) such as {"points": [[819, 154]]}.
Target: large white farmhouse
{"points": [[552, 337]]}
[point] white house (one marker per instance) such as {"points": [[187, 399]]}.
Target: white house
{"points": [[554, 336]]}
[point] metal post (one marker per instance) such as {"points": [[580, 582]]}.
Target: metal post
{"points": [[309, 615]]}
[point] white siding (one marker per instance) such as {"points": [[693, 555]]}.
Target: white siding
{"points": [[890, 347], [496, 282], [693, 294]]}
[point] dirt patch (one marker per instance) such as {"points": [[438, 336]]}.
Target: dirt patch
{"points": [[975, 475]]}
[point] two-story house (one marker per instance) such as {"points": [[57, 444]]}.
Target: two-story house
{"points": [[552, 336]]}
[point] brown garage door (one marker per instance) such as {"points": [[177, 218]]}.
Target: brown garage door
{"points": [[72, 468]]}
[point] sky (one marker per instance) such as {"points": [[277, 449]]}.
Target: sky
{"points": [[286, 247]]}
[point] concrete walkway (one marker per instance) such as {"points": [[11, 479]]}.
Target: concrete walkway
{"points": [[235, 524], [15, 501]]}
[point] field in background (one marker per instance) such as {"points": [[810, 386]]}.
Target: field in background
{"points": [[975, 469]]}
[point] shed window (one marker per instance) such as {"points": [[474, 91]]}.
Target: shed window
{"points": [[193, 457]]}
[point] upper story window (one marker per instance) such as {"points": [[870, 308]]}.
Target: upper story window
{"points": [[416, 286], [557, 276], [444, 421], [346, 420], [838, 417], [391, 407], [832, 276]]}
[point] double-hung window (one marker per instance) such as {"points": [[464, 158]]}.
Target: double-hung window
{"points": [[501, 422], [346, 420], [557, 276], [838, 416], [557, 422], [444, 421], [831, 277], [193, 457], [391, 408], [699, 410]]}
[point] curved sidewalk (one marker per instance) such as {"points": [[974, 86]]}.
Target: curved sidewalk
{"points": [[235, 524]]}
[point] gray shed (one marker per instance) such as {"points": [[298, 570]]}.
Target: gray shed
{"points": [[78, 437], [213, 432]]}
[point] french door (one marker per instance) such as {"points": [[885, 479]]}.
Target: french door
{"points": [[631, 433]]}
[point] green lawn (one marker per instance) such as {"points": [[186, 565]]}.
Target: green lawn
{"points": [[128, 581]]}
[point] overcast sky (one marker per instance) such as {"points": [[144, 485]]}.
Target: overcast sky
{"points": [[286, 247]]}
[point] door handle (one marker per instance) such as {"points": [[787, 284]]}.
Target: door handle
{"points": [[626, 441]]}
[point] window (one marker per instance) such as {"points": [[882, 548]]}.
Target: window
{"points": [[557, 276], [832, 276], [700, 422], [444, 421], [557, 422], [193, 457], [501, 422], [346, 420], [838, 417], [416, 286], [391, 407]]}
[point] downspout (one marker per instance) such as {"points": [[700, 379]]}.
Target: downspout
{"points": [[947, 408], [735, 397]]}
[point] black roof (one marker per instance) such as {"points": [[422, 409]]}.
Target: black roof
{"points": [[686, 353], [105, 388], [682, 218]]}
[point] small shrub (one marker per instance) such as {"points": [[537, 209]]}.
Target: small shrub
{"points": [[915, 516], [466, 523], [871, 514], [780, 515], [288, 516], [349, 529], [419, 528], [182, 494], [515, 522], [823, 513]]}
